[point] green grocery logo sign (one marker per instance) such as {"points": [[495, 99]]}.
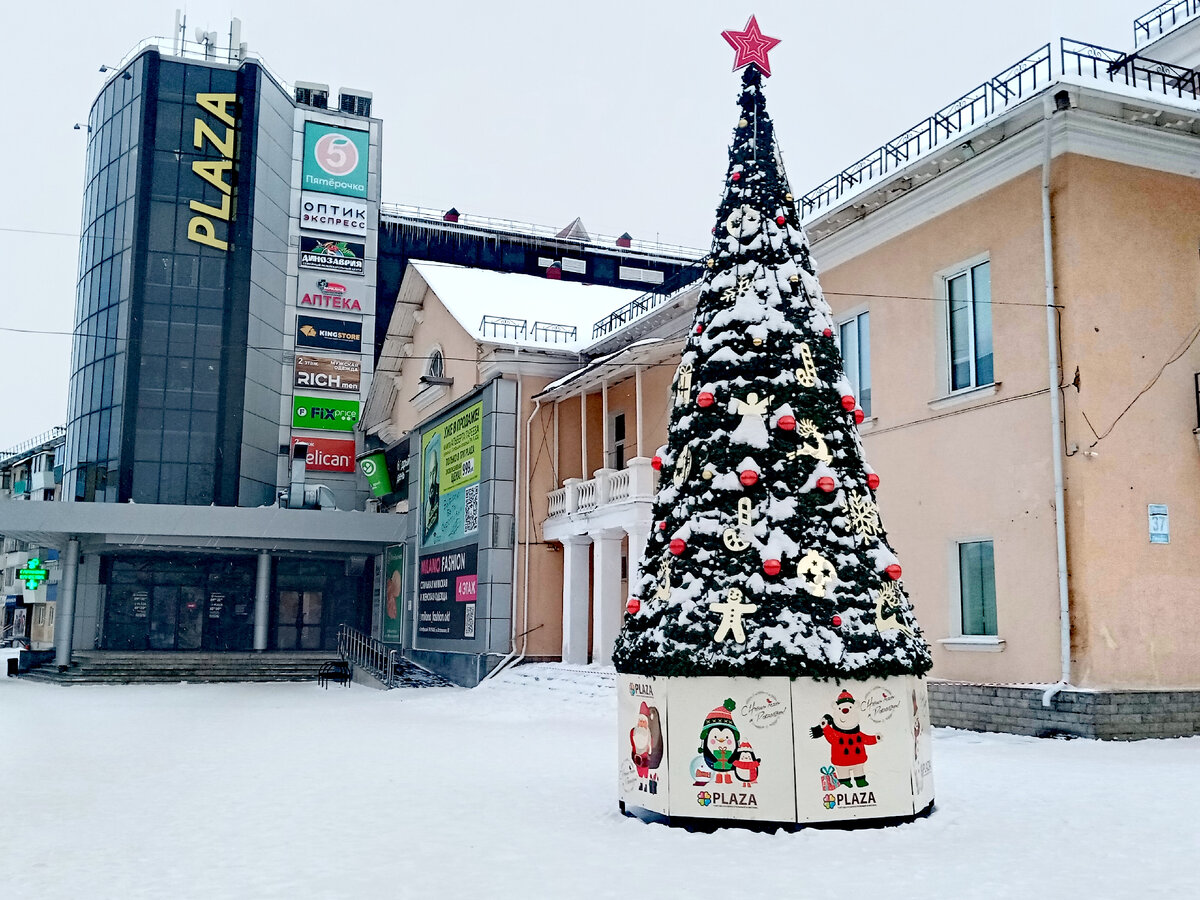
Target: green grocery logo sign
{"points": [[335, 160], [324, 413]]}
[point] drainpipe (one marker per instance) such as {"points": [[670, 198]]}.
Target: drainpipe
{"points": [[1060, 515]]}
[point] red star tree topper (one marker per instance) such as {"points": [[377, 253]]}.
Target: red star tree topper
{"points": [[752, 46]]}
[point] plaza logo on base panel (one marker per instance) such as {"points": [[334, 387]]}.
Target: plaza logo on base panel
{"points": [[343, 257], [323, 212], [332, 292], [327, 454]]}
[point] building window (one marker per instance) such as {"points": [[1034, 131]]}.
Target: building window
{"points": [[969, 327], [977, 587], [854, 339], [617, 451], [437, 364]]}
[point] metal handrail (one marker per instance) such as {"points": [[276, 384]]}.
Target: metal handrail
{"points": [[46, 437], [1178, 11], [644, 303], [366, 652], [1007, 88], [1130, 69]]}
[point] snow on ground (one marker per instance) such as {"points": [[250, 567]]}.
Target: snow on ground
{"points": [[509, 790]]}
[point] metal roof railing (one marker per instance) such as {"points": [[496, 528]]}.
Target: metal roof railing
{"points": [[1163, 18], [1130, 69], [56, 434]]}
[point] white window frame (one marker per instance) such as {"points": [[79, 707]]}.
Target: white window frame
{"points": [[946, 276], [853, 315], [987, 643], [435, 352]]}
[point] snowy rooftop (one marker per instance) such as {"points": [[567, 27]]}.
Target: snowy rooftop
{"points": [[509, 308]]}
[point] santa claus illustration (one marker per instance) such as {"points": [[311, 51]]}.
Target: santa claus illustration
{"points": [[847, 743], [645, 742]]}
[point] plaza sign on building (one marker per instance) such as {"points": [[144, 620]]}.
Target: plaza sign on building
{"points": [[328, 374], [335, 160], [324, 414], [343, 257], [323, 212], [328, 334], [327, 454], [333, 292]]}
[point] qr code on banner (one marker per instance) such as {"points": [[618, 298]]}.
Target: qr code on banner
{"points": [[469, 623], [471, 513]]}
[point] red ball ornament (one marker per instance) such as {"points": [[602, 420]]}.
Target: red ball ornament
{"points": [[859, 416], [893, 572], [826, 484], [873, 481], [787, 423], [633, 606], [662, 526], [706, 399], [656, 463], [677, 546], [848, 402], [828, 332], [736, 176], [748, 478], [771, 567], [780, 220], [837, 620], [699, 329]]}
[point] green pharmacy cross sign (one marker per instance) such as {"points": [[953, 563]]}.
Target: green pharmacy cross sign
{"points": [[33, 574]]}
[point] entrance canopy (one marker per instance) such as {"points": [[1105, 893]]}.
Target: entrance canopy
{"points": [[212, 528]]}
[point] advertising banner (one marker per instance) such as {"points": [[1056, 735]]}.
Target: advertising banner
{"points": [[856, 748], [324, 413], [447, 585], [322, 212], [375, 468], [393, 592], [343, 257], [335, 160], [328, 454], [641, 744], [451, 459], [328, 334], [327, 373], [341, 293], [730, 749]]}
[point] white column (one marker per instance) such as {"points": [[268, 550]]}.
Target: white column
{"points": [[64, 613], [607, 601], [576, 553], [639, 536], [605, 443], [637, 399], [583, 432], [262, 601]]}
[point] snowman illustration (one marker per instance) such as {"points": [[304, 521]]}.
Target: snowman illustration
{"points": [[847, 743], [718, 742]]}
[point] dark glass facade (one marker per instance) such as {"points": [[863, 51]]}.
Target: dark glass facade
{"points": [[156, 391]]}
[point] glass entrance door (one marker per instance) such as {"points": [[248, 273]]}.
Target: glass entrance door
{"points": [[299, 624], [191, 618], [164, 611]]}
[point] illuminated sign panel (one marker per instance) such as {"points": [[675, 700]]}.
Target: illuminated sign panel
{"points": [[335, 160]]}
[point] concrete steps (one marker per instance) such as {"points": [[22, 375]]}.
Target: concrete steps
{"points": [[119, 667]]}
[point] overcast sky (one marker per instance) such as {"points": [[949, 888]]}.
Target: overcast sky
{"points": [[619, 112]]}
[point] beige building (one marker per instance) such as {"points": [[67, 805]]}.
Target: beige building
{"points": [[1017, 285]]}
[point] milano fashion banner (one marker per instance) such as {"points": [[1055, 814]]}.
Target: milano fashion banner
{"points": [[447, 584], [451, 459]]}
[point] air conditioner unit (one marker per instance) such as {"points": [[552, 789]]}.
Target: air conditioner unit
{"points": [[355, 102], [311, 94]]}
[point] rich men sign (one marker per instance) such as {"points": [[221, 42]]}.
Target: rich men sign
{"points": [[328, 374]]}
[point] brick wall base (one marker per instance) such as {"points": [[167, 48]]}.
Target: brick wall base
{"points": [[1107, 715]]}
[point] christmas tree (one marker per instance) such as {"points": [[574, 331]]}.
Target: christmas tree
{"points": [[767, 556]]}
